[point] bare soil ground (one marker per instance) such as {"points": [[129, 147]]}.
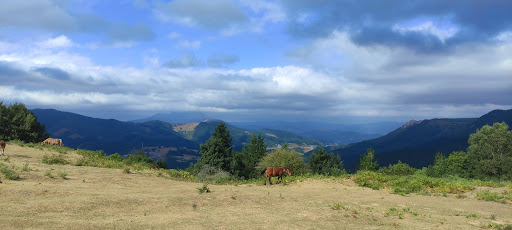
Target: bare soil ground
{"points": [[96, 198]]}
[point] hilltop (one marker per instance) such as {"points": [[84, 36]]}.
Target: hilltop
{"points": [[100, 198]]}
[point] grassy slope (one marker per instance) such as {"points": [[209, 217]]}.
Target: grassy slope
{"points": [[96, 198]]}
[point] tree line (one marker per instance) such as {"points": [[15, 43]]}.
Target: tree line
{"points": [[489, 156], [19, 123]]}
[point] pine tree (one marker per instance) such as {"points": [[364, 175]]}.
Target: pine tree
{"points": [[255, 151], [217, 151], [327, 164]]}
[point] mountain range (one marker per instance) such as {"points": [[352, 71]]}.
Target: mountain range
{"points": [[175, 117], [417, 142], [177, 144]]}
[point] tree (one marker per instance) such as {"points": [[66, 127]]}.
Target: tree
{"points": [[244, 163], [456, 164], [256, 150], [326, 164], [161, 164], [17, 122], [490, 152], [367, 162], [217, 151], [284, 158]]}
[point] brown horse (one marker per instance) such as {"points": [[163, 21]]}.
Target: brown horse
{"points": [[2, 146], [275, 171], [52, 141]]}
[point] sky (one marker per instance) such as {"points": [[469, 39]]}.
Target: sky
{"points": [[246, 60]]}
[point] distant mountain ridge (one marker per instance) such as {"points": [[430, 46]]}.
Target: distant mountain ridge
{"points": [[178, 144], [113, 136], [416, 143], [175, 117]]}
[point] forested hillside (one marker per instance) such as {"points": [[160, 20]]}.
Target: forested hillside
{"points": [[417, 143]]}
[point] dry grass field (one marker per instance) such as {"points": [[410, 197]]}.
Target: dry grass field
{"points": [[97, 198]]}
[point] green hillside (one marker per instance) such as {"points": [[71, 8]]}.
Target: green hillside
{"points": [[416, 144]]}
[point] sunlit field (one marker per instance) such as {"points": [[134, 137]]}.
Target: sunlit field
{"points": [[55, 196]]}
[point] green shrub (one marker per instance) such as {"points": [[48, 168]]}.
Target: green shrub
{"points": [[139, 158], [180, 174], [284, 158], [63, 175], [9, 173], [326, 164], [126, 170], [161, 164], [203, 189], [367, 162], [54, 160], [25, 167], [456, 164], [116, 157], [215, 175], [98, 159], [398, 169], [494, 196], [49, 174], [371, 179]]}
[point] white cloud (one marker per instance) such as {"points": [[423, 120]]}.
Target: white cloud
{"points": [[58, 42], [189, 44], [358, 81], [428, 27], [173, 35]]}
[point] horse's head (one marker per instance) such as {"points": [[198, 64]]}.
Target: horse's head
{"points": [[287, 170]]}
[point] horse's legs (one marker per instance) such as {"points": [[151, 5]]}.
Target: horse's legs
{"points": [[270, 180], [265, 180]]}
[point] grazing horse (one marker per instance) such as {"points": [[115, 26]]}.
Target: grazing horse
{"points": [[2, 146], [275, 171], [52, 141]]}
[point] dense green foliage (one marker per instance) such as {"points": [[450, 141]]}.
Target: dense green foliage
{"points": [[490, 152], [141, 158], [18, 123], [489, 156], [368, 162], [244, 163], [284, 158], [456, 164], [398, 169], [217, 151], [326, 164]]}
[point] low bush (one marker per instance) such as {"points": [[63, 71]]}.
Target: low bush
{"points": [[217, 176], [139, 158], [398, 169], [8, 172], [204, 189], [63, 175], [54, 160], [494, 196], [98, 159]]}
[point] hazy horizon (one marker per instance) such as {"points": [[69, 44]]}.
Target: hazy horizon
{"points": [[239, 60]]}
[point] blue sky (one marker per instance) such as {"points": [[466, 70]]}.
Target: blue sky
{"points": [[257, 60]]}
